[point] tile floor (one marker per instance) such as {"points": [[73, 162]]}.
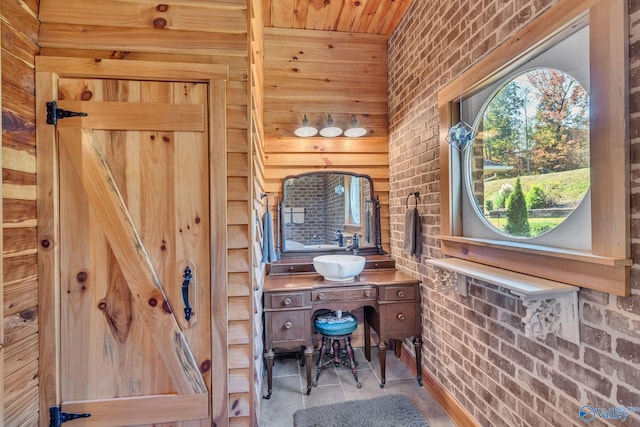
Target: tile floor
{"points": [[338, 385]]}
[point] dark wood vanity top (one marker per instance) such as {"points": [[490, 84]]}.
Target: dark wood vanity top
{"points": [[304, 264], [286, 282]]}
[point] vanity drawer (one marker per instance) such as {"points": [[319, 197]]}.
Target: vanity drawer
{"points": [[380, 264], [346, 294], [399, 293], [288, 300], [290, 268], [400, 319], [288, 327]]}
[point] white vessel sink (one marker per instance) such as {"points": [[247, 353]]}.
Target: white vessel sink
{"points": [[339, 268]]}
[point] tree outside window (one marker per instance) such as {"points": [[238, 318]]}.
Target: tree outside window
{"points": [[533, 132]]}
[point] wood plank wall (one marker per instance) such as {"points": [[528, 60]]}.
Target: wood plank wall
{"points": [[198, 31], [19, 311], [256, 132], [319, 73]]}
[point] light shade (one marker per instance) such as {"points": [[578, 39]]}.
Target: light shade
{"points": [[305, 130], [354, 131], [330, 131]]}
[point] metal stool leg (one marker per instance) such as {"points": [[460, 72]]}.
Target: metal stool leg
{"points": [[352, 361]]}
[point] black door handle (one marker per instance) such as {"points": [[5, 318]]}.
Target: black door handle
{"points": [[185, 293]]}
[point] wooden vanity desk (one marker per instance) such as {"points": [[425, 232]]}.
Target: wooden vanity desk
{"points": [[390, 298]]}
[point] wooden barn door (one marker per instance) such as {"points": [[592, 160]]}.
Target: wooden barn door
{"points": [[134, 251]]}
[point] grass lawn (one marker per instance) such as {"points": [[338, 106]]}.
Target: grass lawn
{"points": [[499, 223], [564, 188]]}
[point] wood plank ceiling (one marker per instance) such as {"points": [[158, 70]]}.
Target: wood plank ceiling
{"points": [[353, 16], [327, 57]]}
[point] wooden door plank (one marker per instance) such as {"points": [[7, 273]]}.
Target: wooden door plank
{"points": [[192, 236], [48, 254], [134, 116], [149, 299], [77, 297], [140, 410]]}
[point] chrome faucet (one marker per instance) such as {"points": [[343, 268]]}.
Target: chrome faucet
{"points": [[355, 245], [340, 238]]}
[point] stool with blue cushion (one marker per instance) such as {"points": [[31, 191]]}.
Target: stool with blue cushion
{"points": [[336, 326]]}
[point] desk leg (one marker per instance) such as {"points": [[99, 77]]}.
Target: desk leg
{"points": [[268, 357], [382, 356], [417, 343], [367, 338], [308, 354], [397, 348]]}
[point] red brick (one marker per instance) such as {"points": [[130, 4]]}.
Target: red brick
{"points": [[536, 350], [595, 337], [593, 296], [486, 309], [592, 313], [565, 384], [622, 323], [501, 332], [517, 356], [501, 362], [628, 350], [630, 304], [585, 376]]}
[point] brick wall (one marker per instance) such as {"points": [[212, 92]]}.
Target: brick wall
{"points": [[308, 192], [475, 346]]}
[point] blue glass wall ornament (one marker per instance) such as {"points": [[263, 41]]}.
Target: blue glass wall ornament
{"points": [[461, 136]]}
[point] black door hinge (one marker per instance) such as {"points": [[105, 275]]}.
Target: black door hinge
{"points": [[54, 113], [57, 417]]}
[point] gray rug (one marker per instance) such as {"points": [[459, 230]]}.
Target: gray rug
{"points": [[394, 410]]}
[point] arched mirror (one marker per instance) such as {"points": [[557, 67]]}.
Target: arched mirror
{"points": [[322, 211]]}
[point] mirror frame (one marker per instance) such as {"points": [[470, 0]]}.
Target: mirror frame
{"points": [[375, 248]]}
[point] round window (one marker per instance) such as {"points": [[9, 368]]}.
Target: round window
{"points": [[529, 163], [355, 200]]}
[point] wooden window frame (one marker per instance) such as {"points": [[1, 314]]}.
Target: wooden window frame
{"points": [[607, 266]]}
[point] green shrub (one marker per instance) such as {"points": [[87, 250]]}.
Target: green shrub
{"points": [[500, 198], [536, 198], [517, 218], [488, 205], [541, 227]]}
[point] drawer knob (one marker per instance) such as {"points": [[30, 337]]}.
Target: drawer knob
{"points": [[376, 265], [400, 316], [367, 293], [287, 301], [292, 269], [321, 296], [401, 294], [288, 325]]}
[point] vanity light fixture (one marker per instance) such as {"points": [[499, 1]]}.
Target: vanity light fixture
{"points": [[355, 131], [305, 130], [330, 131]]}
